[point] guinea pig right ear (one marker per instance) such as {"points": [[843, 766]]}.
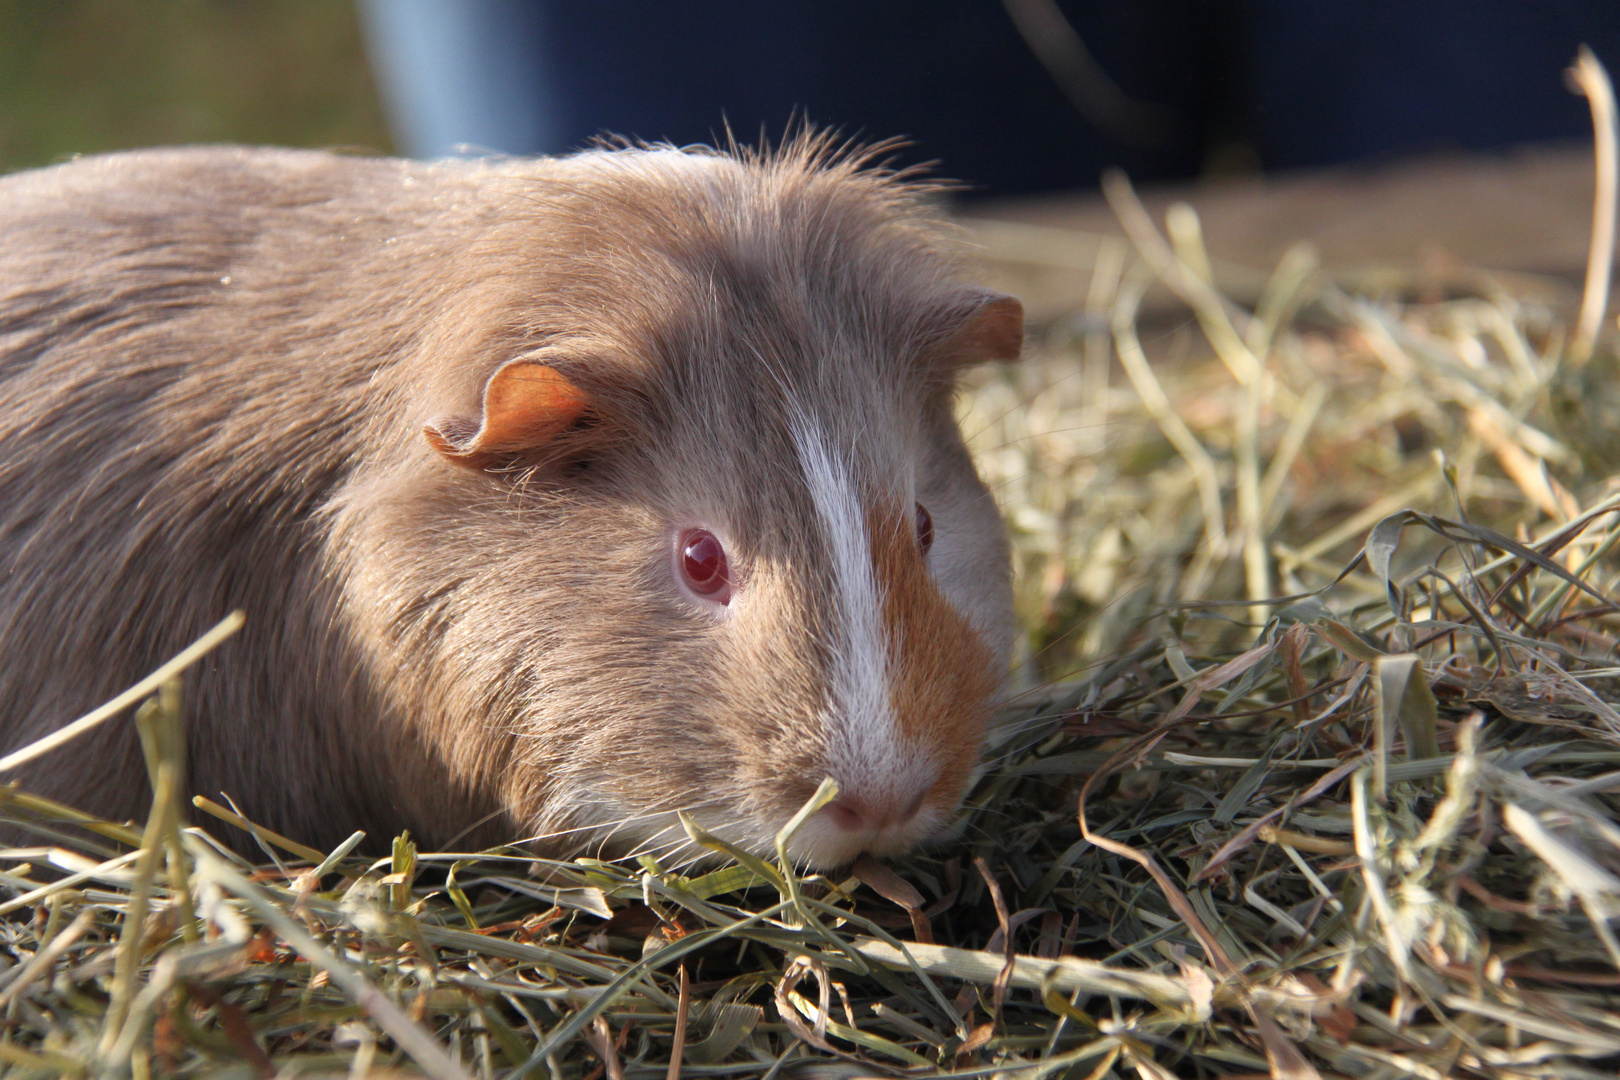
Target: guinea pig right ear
{"points": [[988, 326], [526, 405]]}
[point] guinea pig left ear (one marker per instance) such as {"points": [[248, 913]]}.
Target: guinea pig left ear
{"points": [[991, 329], [526, 405]]}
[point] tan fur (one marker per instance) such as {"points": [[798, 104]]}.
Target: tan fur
{"points": [[215, 370]]}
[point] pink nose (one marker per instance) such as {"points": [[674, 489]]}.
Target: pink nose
{"points": [[854, 814]]}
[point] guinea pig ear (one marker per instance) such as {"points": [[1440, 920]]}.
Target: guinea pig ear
{"points": [[526, 405], [989, 327]]}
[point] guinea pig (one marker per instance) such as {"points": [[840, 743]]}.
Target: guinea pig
{"points": [[560, 495]]}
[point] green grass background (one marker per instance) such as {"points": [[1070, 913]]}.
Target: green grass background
{"points": [[84, 76]]}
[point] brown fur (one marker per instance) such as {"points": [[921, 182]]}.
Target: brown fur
{"points": [[215, 370]]}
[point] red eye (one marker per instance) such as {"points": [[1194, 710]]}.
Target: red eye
{"points": [[925, 528], [703, 566]]}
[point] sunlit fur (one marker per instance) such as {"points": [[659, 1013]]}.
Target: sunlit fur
{"points": [[215, 370]]}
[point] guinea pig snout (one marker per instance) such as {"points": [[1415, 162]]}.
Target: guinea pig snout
{"points": [[852, 814], [859, 815], [883, 821]]}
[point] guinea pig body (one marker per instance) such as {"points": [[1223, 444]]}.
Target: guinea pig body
{"points": [[560, 495]]}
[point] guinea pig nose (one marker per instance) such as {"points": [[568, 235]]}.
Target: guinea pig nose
{"points": [[853, 814], [846, 815]]}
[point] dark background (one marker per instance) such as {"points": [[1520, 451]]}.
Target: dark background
{"points": [[1229, 86]]}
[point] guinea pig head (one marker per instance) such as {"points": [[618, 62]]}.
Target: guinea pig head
{"points": [[709, 548]]}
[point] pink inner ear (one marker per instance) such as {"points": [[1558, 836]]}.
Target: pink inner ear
{"points": [[525, 406]]}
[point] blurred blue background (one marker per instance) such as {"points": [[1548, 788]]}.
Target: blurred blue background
{"points": [[1014, 96]]}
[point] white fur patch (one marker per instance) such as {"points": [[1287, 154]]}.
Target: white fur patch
{"points": [[866, 752]]}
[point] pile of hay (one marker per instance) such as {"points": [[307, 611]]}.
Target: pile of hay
{"points": [[1313, 771]]}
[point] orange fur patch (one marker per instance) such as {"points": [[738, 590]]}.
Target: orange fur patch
{"points": [[940, 681], [525, 405]]}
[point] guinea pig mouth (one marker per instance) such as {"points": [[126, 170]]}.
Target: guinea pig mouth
{"points": [[823, 842], [839, 833], [835, 835]]}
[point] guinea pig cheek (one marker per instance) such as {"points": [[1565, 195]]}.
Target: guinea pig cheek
{"points": [[940, 670]]}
